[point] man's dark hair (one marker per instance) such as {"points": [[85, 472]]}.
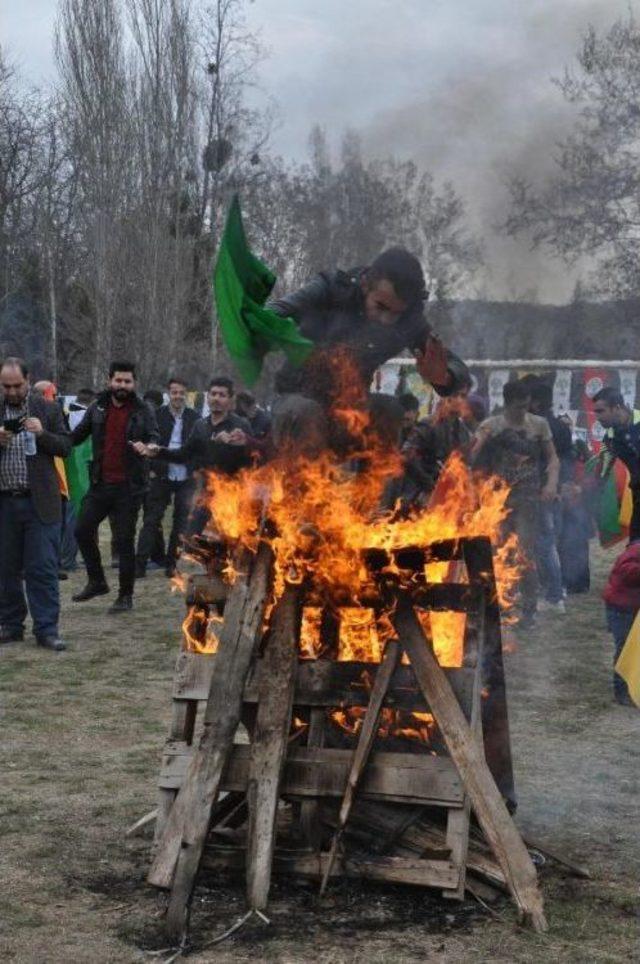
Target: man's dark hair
{"points": [[530, 380], [403, 270], [610, 396], [515, 392], [122, 366], [409, 402], [85, 395], [542, 394], [245, 398], [174, 380], [221, 381], [154, 396], [12, 361]]}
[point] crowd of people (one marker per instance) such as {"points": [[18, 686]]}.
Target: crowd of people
{"points": [[144, 457]]}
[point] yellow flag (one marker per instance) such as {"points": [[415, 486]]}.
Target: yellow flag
{"points": [[628, 665], [626, 505]]}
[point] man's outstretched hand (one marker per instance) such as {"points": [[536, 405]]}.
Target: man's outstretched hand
{"points": [[147, 450], [432, 362]]}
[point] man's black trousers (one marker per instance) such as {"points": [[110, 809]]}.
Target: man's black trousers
{"points": [[161, 492], [116, 500]]}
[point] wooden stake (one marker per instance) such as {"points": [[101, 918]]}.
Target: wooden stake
{"points": [[363, 748], [270, 738], [180, 847], [498, 827]]}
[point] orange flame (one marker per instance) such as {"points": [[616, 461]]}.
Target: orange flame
{"points": [[199, 630], [326, 519]]}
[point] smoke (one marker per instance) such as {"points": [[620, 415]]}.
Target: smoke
{"points": [[463, 88]]}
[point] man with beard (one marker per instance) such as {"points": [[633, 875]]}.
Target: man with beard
{"points": [[357, 320], [116, 420]]}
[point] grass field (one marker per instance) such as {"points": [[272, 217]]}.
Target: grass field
{"points": [[82, 734]]}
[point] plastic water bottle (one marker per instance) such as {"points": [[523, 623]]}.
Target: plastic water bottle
{"points": [[29, 443]]}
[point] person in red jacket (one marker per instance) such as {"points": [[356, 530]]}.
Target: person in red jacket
{"points": [[622, 601]]}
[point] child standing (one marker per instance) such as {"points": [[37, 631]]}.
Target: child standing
{"points": [[622, 601]]}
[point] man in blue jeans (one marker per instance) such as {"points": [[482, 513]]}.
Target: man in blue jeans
{"points": [[32, 432]]}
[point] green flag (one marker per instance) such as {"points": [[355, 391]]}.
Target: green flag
{"points": [[242, 285], [77, 469]]}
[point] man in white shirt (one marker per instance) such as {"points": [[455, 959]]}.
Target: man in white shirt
{"points": [[168, 481]]}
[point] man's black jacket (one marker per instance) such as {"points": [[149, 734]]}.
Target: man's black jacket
{"points": [[330, 311], [54, 440], [623, 441], [165, 417], [141, 427], [203, 451]]}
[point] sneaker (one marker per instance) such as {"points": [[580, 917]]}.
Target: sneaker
{"points": [[90, 590], [141, 569], [123, 604], [544, 606]]}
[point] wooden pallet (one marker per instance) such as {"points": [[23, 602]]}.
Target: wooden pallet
{"points": [[322, 787]]}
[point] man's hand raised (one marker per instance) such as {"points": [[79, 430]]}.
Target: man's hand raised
{"points": [[432, 362]]}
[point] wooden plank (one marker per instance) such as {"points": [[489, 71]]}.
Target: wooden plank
{"points": [[193, 674], [458, 820], [309, 815], [324, 682], [447, 597], [180, 847], [495, 717], [205, 589], [323, 772], [497, 825], [366, 738], [183, 720], [399, 870], [273, 721]]}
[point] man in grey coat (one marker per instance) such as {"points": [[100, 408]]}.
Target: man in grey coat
{"points": [[32, 433]]}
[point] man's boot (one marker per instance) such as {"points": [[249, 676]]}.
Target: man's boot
{"points": [[51, 642], [8, 635], [123, 604], [90, 590]]}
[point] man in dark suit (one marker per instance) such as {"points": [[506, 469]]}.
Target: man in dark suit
{"points": [[168, 481], [32, 433], [116, 420]]}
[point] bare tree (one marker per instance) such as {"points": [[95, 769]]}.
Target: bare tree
{"points": [[591, 205], [95, 83]]}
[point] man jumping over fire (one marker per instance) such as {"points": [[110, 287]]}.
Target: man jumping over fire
{"points": [[336, 331]]}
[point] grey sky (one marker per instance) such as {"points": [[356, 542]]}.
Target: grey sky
{"points": [[461, 86]]}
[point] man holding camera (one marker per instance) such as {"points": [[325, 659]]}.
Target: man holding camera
{"points": [[32, 433]]}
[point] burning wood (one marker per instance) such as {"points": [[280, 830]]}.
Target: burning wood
{"points": [[339, 715]]}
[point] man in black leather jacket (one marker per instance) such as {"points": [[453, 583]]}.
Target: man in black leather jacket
{"points": [[357, 321], [115, 420]]}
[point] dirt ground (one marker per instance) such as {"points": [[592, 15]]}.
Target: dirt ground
{"points": [[82, 734]]}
